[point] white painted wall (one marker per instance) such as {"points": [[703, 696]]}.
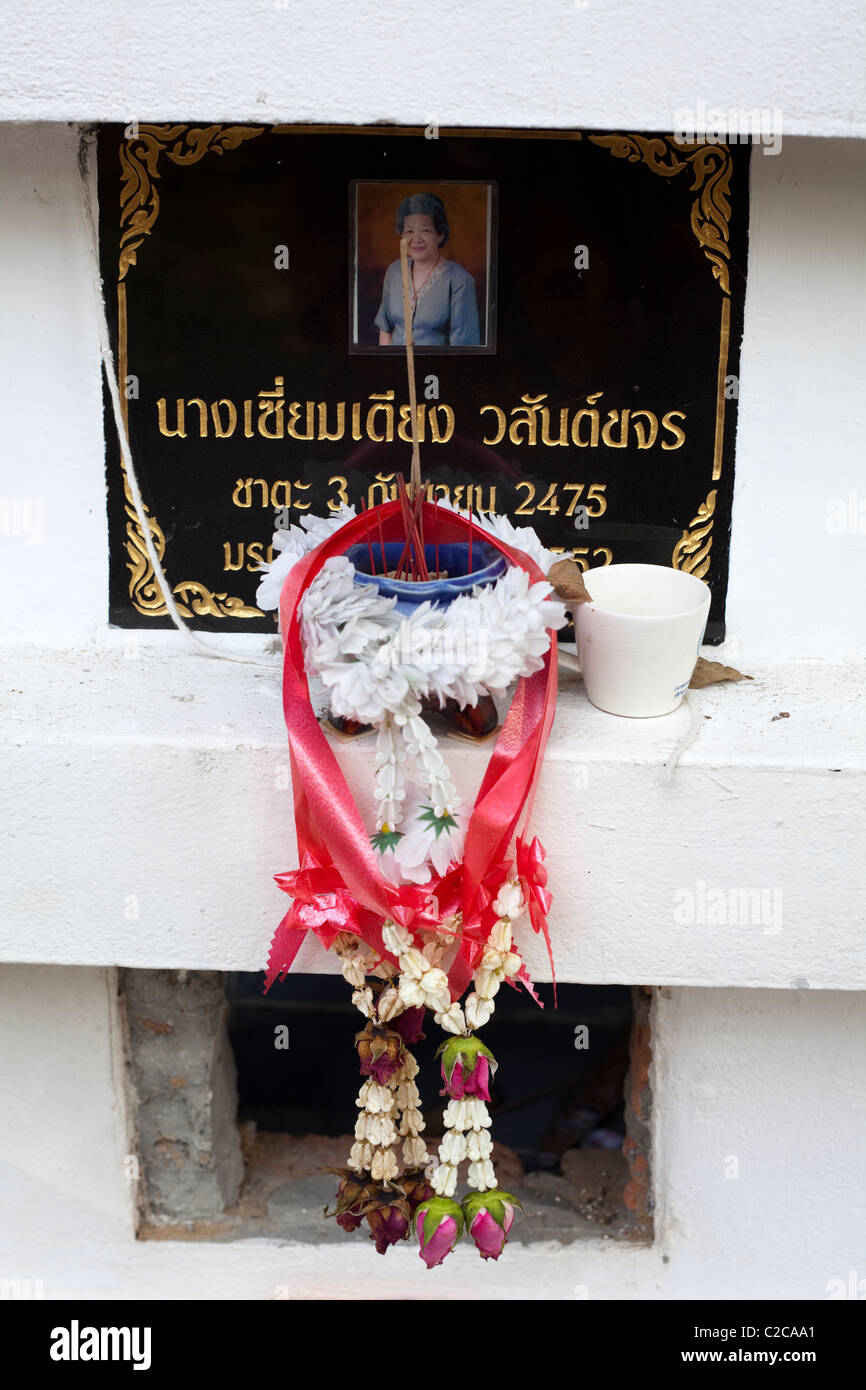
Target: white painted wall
{"points": [[64, 1134], [603, 63], [770, 1078], [106, 770], [125, 770], [162, 782]]}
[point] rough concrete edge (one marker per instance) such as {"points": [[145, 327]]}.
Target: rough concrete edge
{"points": [[228, 1155], [638, 1195], [124, 1094], [215, 1054]]}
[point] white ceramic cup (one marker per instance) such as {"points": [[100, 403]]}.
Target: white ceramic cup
{"points": [[639, 638]]}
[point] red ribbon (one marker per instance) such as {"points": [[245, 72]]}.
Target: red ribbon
{"points": [[339, 885]]}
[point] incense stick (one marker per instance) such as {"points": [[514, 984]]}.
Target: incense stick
{"points": [[415, 470], [367, 534]]}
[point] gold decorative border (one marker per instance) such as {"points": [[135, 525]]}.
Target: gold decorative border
{"points": [[139, 209], [692, 550], [710, 166]]}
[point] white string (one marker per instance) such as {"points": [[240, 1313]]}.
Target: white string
{"points": [[191, 639], [693, 704]]}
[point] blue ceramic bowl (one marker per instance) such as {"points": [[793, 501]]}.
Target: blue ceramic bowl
{"points": [[488, 565]]}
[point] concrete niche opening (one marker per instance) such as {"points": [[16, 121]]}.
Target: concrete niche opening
{"points": [[241, 1103]]}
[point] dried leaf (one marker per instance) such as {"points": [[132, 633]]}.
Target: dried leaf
{"points": [[566, 576], [714, 673]]}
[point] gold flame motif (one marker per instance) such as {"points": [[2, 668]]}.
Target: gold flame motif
{"points": [[139, 210], [692, 550], [710, 167]]}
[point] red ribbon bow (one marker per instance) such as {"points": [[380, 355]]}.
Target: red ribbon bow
{"points": [[356, 897]]}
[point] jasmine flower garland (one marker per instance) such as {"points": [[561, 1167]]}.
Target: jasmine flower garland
{"points": [[381, 667]]}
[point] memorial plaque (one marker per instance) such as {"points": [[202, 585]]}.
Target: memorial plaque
{"points": [[577, 344]]}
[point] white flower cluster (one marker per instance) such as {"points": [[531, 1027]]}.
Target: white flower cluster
{"points": [[466, 1126], [360, 648], [421, 980], [379, 666], [388, 1112], [357, 961], [375, 1133], [292, 545], [467, 1121], [377, 670], [411, 1121], [498, 961]]}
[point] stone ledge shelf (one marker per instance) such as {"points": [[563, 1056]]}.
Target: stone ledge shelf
{"points": [[148, 806]]}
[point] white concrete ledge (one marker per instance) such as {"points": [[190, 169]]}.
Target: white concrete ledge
{"points": [[558, 63], [147, 806]]}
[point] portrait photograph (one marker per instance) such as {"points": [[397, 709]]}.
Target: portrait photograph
{"points": [[451, 231]]}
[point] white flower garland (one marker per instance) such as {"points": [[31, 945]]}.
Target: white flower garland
{"points": [[378, 666]]}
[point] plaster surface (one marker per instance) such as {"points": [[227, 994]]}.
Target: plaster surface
{"points": [[554, 63], [164, 780], [757, 1122]]}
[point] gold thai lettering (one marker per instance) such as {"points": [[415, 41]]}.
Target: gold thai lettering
{"points": [[202, 415], [323, 431], [221, 431], [526, 418], [380, 485], [404, 428], [249, 555], [525, 509], [437, 435], [342, 498], [668, 424], [562, 441], [244, 489], [615, 417], [294, 416], [646, 438], [593, 417], [381, 420], [271, 406], [502, 424], [376, 410], [442, 488], [286, 499], [180, 419]]}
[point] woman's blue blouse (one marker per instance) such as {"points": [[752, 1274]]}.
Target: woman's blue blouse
{"points": [[446, 312]]}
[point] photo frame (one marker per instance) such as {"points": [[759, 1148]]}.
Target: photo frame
{"points": [[458, 293]]}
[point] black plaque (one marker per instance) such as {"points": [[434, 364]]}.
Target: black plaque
{"points": [[598, 403]]}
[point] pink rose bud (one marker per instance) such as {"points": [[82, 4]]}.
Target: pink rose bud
{"points": [[381, 1052], [438, 1225], [410, 1024], [388, 1225], [467, 1068], [489, 1217], [352, 1197]]}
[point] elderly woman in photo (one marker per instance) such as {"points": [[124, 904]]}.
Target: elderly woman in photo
{"points": [[444, 308]]}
